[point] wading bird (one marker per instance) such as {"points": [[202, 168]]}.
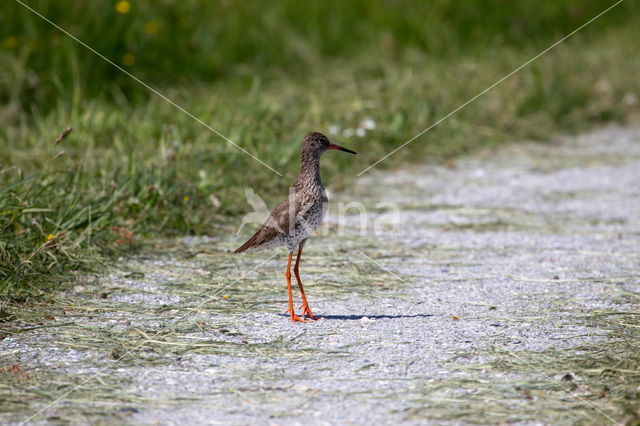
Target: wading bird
{"points": [[298, 215]]}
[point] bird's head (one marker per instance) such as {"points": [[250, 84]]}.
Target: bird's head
{"points": [[316, 143]]}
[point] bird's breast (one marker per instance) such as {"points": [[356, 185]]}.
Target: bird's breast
{"points": [[312, 213]]}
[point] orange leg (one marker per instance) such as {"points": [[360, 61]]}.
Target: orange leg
{"points": [[287, 275], [306, 311]]}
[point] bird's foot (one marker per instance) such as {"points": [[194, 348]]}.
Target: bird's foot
{"points": [[306, 312], [295, 318]]}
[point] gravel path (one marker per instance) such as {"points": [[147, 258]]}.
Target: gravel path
{"points": [[462, 314]]}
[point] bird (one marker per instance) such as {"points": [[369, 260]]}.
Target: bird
{"points": [[296, 217]]}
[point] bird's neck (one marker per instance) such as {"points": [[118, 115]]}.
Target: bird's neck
{"points": [[309, 170]]}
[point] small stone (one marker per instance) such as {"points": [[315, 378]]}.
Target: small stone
{"points": [[117, 354], [567, 377]]}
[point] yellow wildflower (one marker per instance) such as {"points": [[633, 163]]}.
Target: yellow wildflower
{"points": [[128, 59], [186, 198], [123, 7], [151, 27], [226, 296], [11, 42], [49, 237]]}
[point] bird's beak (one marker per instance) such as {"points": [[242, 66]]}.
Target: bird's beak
{"points": [[339, 148]]}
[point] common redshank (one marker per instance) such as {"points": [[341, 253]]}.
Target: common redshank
{"points": [[297, 216]]}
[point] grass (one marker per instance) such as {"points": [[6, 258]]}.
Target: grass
{"points": [[206, 41], [134, 167]]}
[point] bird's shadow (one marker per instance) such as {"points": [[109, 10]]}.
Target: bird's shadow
{"points": [[358, 317]]}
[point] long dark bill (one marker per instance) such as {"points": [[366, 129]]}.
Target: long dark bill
{"points": [[340, 148]]}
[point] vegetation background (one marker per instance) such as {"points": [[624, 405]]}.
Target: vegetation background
{"points": [[371, 73]]}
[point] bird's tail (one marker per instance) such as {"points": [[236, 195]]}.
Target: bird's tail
{"points": [[251, 242]]}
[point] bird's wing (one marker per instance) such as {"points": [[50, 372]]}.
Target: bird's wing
{"points": [[277, 223]]}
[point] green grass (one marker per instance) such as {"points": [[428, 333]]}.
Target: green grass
{"points": [[134, 167], [194, 40]]}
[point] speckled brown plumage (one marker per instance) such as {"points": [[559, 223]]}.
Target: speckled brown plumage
{"points": [[298, 215]]}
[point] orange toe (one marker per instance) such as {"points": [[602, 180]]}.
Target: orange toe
{"points": [[295, 318], [306, 312]]}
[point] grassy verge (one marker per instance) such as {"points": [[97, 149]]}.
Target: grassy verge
{"points": [[208, 41], [135, 167]]}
